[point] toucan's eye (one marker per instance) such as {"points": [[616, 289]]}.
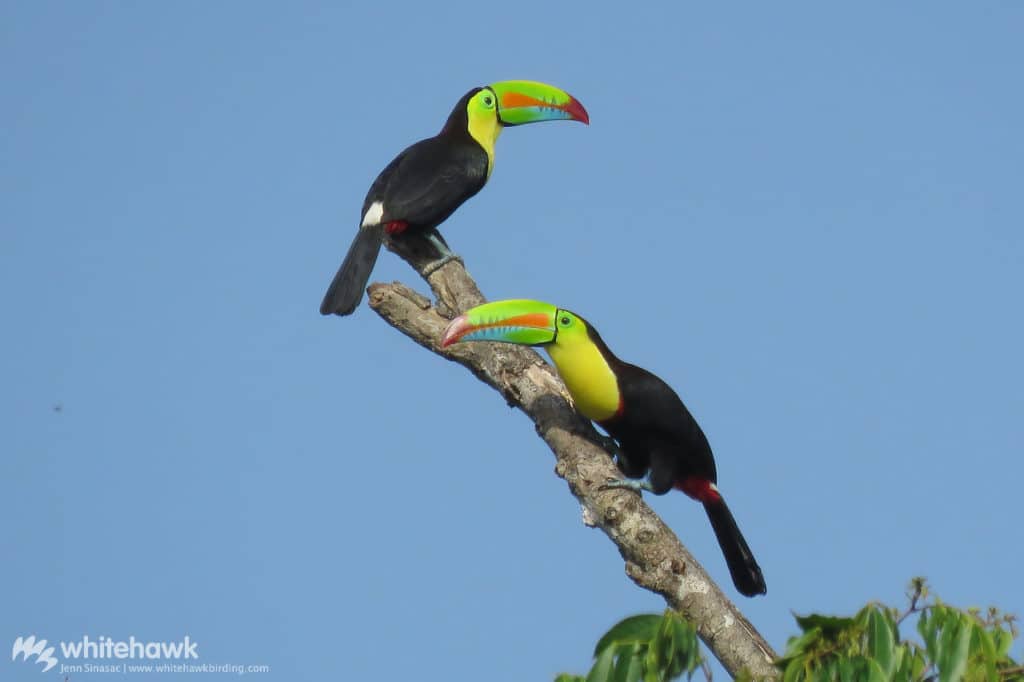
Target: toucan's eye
{"points": [[565, 321], [488, 101]]}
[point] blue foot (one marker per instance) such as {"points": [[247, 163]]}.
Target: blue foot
{"points": [[442, 249], [627, 484], [430, 268]]}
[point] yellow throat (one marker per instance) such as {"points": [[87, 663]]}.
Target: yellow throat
{"points": [[484, 127], [586, 374]]}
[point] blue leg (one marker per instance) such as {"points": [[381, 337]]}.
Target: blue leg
{"points": [[636, 486], [446, 255]]}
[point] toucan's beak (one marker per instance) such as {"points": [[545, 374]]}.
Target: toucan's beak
{"points": [[522, 102], [524, 322]]}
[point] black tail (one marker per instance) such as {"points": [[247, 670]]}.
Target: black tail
{"points": [[746, 574], [346, 290]]}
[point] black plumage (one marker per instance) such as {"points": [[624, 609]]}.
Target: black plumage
{"points": [[657, 437], [416, 192]]}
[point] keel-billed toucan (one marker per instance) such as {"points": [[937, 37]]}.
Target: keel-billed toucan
{"points": [[424, 184], [655, 435]]}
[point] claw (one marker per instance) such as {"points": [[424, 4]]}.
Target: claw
{"points": [[433, 267]]}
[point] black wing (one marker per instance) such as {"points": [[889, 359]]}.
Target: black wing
{"points": [[655, 419], [428, 181]]}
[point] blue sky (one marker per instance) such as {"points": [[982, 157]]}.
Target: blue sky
{"points": [[806, 219]]}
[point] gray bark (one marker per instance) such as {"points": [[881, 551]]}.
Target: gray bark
{"points": [[654, 557]]}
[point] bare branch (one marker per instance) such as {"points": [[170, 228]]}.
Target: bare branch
{"points": [[918, 587], [654, 557]]}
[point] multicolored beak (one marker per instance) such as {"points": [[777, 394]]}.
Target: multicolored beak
{"points": [[523, 322], [522, 102]]}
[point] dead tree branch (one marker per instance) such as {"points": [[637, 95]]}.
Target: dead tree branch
{"points": [[655, 559]]}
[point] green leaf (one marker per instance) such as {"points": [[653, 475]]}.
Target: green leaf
{"points": [[629, 664], [945, 645], [798, 646], [566, 677], [927, 625], [1003, 640], [875, 672], [983, 640], [880, 642], [846, 673], [900, 675], [827, 671], [830, 626], [642, 628], [685, 636], [899, 655], [667, 651], [955, 663], [915, 663], [794, 670], [652, 661], [602, 670]]}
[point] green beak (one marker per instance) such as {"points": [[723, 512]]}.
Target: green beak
{"points": [[523, 322], [522, 102]]}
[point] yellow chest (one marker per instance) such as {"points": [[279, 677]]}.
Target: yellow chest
{"points": [[485, 130], [590, 380]]}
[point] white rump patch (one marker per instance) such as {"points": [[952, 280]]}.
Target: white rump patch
{"points": [[373, 214]]}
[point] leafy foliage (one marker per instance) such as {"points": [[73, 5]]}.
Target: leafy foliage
{"points": [[955, 645], [646, 648]]}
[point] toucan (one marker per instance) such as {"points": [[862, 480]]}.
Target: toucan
{"points": [[424, 184], [652, 433]]}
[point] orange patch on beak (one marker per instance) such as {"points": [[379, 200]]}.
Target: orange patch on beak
{"points": [[518, 99]]}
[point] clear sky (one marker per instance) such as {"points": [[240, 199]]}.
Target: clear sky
{"points": [[806, 219]]}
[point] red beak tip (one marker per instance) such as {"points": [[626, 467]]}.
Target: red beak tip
{"points": [[452, 332], [578, 112]]}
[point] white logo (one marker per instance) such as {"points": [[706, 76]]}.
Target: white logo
{"points": [[28, 646], [107, 655]]}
